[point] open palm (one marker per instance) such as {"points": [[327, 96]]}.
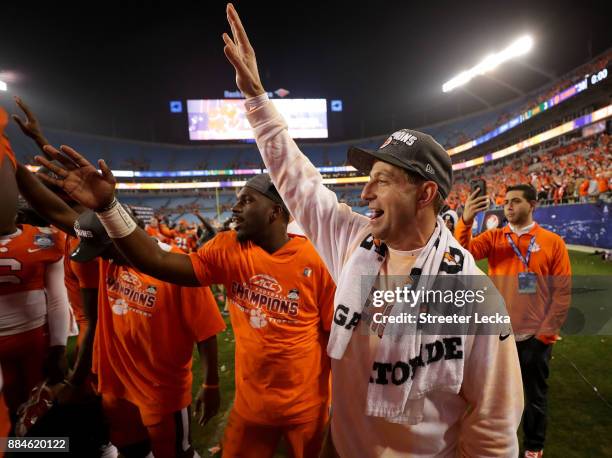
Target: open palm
{"points": [[79, 178], [241, 55]]}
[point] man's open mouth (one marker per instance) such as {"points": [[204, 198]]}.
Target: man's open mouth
{"points": [[374, 214]]}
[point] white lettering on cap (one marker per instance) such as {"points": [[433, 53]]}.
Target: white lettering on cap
{"points": [[401, 136], [82, 234]]}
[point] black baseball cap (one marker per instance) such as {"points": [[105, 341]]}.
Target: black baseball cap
{"points": [[263, 184], [413, 151], [93, 239]]}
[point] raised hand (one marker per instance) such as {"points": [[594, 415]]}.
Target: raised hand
{"points": [[474, 205], [241, 55], [30, 126], [79, 178]]}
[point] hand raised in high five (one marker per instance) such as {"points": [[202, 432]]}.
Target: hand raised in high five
{"points": [[239, 52], [30, 126], [79, 178]]}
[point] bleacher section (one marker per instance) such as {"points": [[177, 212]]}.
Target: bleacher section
{"points": [[455, 132], [122, 154]]}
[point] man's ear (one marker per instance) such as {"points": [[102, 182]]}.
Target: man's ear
{"points": [[428, 194], [276, 213]]}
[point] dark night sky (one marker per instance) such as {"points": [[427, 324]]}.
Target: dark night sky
{"points": [[112, 69]]}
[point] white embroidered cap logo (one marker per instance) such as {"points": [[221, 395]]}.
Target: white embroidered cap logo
{"points": [[401, 136], [430, 169]]}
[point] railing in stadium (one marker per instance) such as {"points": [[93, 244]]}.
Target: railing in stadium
{"points": [[563, 129], [546, 105], [558, 131]]}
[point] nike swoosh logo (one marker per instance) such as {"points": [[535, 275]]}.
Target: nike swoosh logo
{"points": [[30, 250], [504, 337]]}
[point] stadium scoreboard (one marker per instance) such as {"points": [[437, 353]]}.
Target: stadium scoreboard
{"points": [[225, 119]]}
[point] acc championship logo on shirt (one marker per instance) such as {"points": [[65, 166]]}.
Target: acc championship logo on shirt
{"points": [[133, 294], [266, 282], [263, 300], [130, 278]]}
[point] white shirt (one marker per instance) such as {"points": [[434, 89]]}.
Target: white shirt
{"points": [[481, 421]]}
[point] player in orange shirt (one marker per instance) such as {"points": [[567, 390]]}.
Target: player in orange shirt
{"points": [[80, 279], [182, 237], [531, 268], [34, 315], [143, 349], [143, 342], [153, 229], [281, 306], [80, 294]]}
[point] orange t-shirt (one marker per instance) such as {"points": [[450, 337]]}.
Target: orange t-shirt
{"points": [[145, 336], [155, 233], [23, 259], [544, 311], [602, 184], [78, 275], [583, 190], [281, 307], [184, 241]]}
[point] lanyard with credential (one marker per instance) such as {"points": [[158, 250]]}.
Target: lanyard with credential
{"points": [[524, 260]]}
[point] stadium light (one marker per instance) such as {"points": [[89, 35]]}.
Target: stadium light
{"points": [[3, 86], [517, 48]]}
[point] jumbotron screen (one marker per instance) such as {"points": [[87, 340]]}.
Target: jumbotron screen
{"points": [[225, 119]]}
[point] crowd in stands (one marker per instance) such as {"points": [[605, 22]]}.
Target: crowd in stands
{"points": [[580, 171], [185, 235], [576, 172]]}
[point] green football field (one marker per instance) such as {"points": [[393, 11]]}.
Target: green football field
{"points": [[580, 422]]}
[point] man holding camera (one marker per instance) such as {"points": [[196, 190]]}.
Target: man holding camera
{"points": [[531, 268]]}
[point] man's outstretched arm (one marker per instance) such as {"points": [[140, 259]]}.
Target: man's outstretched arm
{"points": [[96, 190], [144, 254], [332, 227]]}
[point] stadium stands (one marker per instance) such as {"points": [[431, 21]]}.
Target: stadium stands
{"points": [[570, 169], [577, 172]]}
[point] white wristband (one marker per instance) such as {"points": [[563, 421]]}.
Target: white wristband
{"points": [[117, 222]]}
